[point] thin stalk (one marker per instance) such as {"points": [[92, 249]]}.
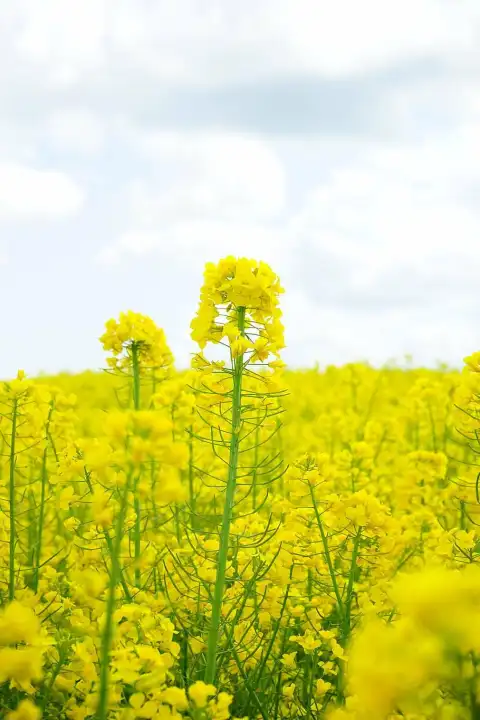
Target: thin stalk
{"points": [[308, 679], [309, 584], [328, 557], [346, 623], [32, 539], [278, 690], [251, 690], [184, 660], [255, 465], [41, 518], [191, 488], [351, 579], [107, 635], [281, 455], [153, 483], [178, 530], [432, 425], [214, 632], [123, 582], [55, 672], [259, 673], [311, 695], [135, 376], [109, 542], [136, 502], [11, 495]]}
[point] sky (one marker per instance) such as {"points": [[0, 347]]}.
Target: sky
{"points": [[338, 141]]}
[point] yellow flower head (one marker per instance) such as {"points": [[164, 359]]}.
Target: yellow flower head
{"points": [[18, 624], [137, 335], [236, 284], [26, 710], [200, 693]]}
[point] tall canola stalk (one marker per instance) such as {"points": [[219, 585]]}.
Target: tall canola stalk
{"points": [[239, 310]]}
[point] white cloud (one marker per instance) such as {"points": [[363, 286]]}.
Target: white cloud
{"points": [[398, 205], [389, 254], [390, 205], [222, 193], [348, 37], [29, 193], [217, 42], [228, 175], [203, 240], [76, 129], [14, 146], [66, 39]]}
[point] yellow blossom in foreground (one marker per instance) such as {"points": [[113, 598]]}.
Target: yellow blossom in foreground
{"points": [[200, 693], [26, 710]]}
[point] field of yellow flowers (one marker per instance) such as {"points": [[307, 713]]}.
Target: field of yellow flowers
{"points": [[239, 540]]}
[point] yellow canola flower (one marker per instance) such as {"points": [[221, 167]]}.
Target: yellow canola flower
{"points": [[473, 362], [322, 687], [397, 665], [288, 660], [240, 346], [197, 645], [236, 283], [26, 710], [23, 666], [176, 697], [18, 624], [308, 641], [201, 692], [136, 334]]}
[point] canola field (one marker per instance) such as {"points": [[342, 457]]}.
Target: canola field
{"points": [[239, 540]]}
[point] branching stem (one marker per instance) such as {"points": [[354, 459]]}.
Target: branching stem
{"points": [[214, 632]]}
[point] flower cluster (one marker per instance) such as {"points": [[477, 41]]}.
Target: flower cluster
{"points": [[239, 305], [136, 338]]}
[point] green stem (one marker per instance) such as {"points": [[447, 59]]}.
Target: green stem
{"points": [[107, 636], [41, 518], [259, 673], [55, 673], [191, 488], [347, 624], [255, 465], [178, 530], [351, 579], [136, 502], [109, 542], [123, 582], [11, 493], [184, 660], [251, 690], [137, 537], [281, 455], [41, 521], [136, 376], [214, 632], [308, 680], [278, 690], [328, 557]]}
